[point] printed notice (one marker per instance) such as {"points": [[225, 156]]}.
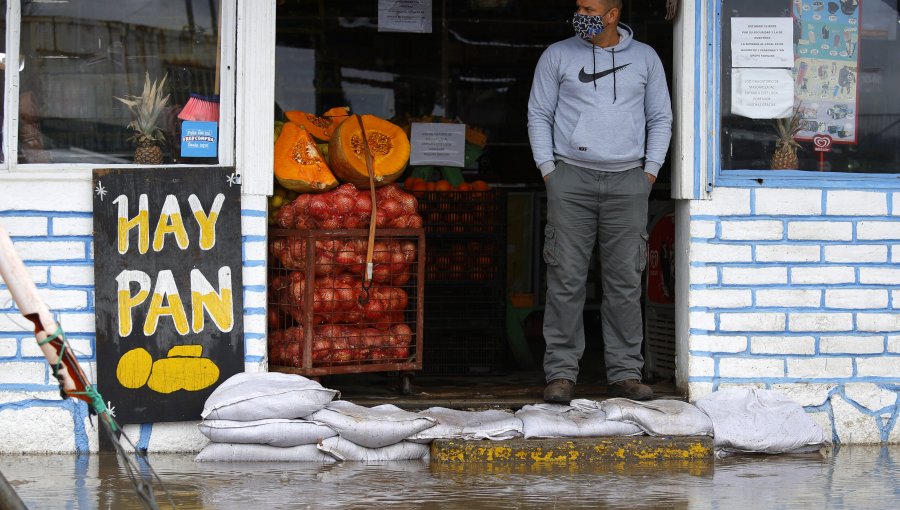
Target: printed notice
{"points": [[438, 144], [762, 93], [762, 42], [404, 16]]}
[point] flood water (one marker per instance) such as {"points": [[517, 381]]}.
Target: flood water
{"points": [[852, 478]]}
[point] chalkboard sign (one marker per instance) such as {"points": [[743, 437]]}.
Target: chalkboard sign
{"points": [[168, 300]]}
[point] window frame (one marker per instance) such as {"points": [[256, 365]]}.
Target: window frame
{"points": [[10, 165], [743, 178]]}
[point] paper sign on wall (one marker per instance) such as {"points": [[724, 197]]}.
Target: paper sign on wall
{"points": [[439, 144], [762, 42], [404, 16], [762, 93], [199, 139]]}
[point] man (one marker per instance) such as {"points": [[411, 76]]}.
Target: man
{"points": [[599, 122]]}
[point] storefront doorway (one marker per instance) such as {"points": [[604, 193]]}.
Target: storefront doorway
{"points": [[472, 62]]}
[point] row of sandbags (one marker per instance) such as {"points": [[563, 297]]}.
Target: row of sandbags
{"points": [[281, 417]]}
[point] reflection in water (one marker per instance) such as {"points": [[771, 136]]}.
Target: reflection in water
{"points": [[857, 477]]}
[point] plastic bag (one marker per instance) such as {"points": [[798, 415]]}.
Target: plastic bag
{"points": [[230, 452], [265, 395], [275, 432], [582, 418], [762, 421], [343, 450], [457, 424], [372, 427], [659, 417]]}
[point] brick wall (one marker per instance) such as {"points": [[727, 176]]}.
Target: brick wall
{"points": [[799, 290], [51, 226]]}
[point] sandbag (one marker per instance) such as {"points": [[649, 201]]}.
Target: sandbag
{"points": [[231, 452], [760, 421], [659, 417], [372, 427], [343, 450], [581, 418], [265, 395], [457, 424], [275, 432]]}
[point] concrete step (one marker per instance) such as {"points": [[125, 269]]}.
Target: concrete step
{"points": [[574, 451]]}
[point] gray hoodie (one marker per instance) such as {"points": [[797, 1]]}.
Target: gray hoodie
{"points": [[606, 109]]}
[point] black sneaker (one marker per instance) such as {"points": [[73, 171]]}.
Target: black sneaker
{"points": [[631, 389], [559, 391]]}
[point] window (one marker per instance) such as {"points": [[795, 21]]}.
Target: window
{"points": [[831, 66], [77, 57]]}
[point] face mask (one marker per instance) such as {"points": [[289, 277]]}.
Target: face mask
{"points": [[587, 27]]}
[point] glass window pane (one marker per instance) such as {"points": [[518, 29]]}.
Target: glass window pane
{"points": [[840, 87], [475, 65], [80, 56]]}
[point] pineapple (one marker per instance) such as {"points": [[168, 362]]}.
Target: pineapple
{"points": [[146, 110], [785, 155]]}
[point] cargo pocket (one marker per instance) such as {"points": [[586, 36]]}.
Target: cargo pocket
{"points": [[550, 245], [642, 252]]}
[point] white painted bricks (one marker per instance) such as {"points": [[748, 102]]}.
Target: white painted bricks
{"points": [[821, 321], [73, 226], [856, 298], [788, 202], [707, 343], [754, 275], [783, 345], [820, 230], [54, 196], [751, 367], [703, 229], [823, 275], [856, 253], [812, 368], [752, 230], [877, 230], [788, 253], [725, 202], [43, 250], [803, 298], [716, 298], [720, 253], [852, 345], [80, 275], [855, 203], [25, 226], [880, 275], [878, 322], [752, 321], [884, 366]]}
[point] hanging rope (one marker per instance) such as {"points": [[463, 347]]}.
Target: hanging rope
{"points": [[370, 166]]}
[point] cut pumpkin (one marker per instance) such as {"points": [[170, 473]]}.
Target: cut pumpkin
{"points": [[321, 128], [299, 166], [388, 145]]}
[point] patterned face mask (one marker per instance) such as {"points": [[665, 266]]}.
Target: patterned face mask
{"points": [[587, 27]]}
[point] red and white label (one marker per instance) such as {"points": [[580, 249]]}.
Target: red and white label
{"points": [[822, 143]]}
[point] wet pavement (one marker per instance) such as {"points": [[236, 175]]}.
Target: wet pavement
{"points": [[851, 477]]}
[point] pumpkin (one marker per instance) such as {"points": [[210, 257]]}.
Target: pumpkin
{"points": [[320, 127], [388, 145], [299, 166]]}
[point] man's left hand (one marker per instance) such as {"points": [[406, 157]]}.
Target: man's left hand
{"points": [[651, 178]]}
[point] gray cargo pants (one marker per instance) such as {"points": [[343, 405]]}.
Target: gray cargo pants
{"points": [[585, 205]]}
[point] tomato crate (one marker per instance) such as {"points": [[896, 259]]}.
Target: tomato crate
{"points": [[463, 212], [322, 319], [465, 259]]}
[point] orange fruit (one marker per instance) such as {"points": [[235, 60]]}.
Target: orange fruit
{"points": [[430, 186], [442, 185], [480, 185], [464, 186], [410, 182]]}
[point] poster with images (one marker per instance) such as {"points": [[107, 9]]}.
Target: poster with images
{"points": [[826, 68]]}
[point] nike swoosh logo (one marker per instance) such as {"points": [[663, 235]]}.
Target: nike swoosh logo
{"points": [[587, 78]]}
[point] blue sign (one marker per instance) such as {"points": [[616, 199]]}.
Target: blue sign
{"points": [[199, 139]]}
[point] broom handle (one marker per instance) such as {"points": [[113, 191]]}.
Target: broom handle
{"points": [[25, 294]]}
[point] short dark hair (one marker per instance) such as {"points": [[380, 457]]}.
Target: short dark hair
{"points": [[610, 4]]}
